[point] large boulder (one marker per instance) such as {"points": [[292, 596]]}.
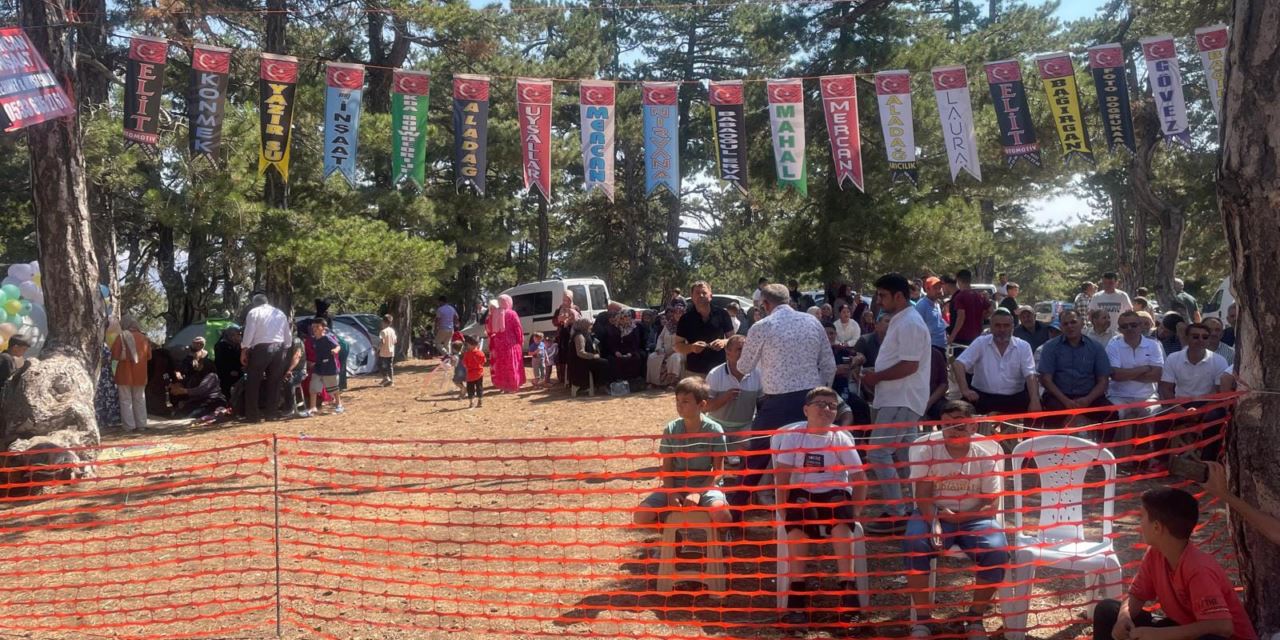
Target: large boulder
{"points": [[51, 403]]}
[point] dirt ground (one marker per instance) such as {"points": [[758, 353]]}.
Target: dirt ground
{"points": [[508, 521]]}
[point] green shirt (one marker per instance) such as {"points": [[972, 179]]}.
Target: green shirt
{"points": [[695, 451]]}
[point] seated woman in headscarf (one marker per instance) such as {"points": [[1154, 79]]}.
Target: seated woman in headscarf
{"points": [[195, 364], [199, 400], [625, 348], [664, 364], [586, 364]]}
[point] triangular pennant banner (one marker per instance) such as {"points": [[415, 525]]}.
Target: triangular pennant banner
{"points": [[410, 92], [840, 108], [143, 83], [786, 121], [207, 100], [661, 137], [344, 85], [277, 82], [470, 131], [1166, 87], [955, 110], [1106, 63], [1059, 81], [893, 93], [533, 106], [729, 126], [1017, 134]]}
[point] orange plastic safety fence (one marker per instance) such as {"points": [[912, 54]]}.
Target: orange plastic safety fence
{"points": [[343, 538]]}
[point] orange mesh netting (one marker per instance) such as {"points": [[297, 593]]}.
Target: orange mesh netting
{"points": [[337, 538]]}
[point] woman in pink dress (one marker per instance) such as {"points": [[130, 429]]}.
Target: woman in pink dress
{"points": [[506, 339]]}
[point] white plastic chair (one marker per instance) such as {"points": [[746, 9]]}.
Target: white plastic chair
{"points": [[1062, 462], [857, 549]]}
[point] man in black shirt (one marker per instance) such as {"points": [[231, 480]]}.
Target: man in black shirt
{"points": [[1010, 301], [703, 332], [1033, 331]]}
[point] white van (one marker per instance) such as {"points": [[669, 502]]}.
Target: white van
{"points": [[536, 303], [1220, 303]]}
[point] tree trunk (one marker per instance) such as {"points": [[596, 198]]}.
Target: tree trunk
{"points": [[986, 270], [1171, 218], [544, 239], [56, 394], [275, 281], [1248, 184]]}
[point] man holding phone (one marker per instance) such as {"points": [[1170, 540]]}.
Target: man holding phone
{"points": [[702, 333]]}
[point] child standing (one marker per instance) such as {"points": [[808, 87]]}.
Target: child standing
{"points": [[387, 351], [453, 359], [553, 358], [473, 361], [538, 354], [324, 366]]}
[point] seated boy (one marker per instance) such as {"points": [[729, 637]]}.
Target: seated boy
{"points": [[1195, 596], [689, 480], [957, 489], [819, 471]]}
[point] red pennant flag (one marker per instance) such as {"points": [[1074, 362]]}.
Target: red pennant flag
{"points": [[533, 103], [840, 105]]}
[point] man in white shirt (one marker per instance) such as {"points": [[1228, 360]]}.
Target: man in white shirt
{"points": [[1101, 327], [789, 351], [387, 351], [957, 494], [1137, 363], [446, 322], [1195, 372], [733, 392], [901, 383], [262, 353], [1110, 299], [1003, 369]]}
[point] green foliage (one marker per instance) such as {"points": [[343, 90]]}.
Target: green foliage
{"points": [[205, 234]]}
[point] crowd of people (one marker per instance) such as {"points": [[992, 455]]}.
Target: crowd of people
{"points": [[801, 377], [266, 369]]}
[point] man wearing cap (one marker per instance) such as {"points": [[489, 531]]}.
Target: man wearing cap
{"points": [[930, 309], [1033, 331], [1003, 370]]}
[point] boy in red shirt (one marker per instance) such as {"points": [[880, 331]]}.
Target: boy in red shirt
{"points": [[1195, 596], [473, 361]]}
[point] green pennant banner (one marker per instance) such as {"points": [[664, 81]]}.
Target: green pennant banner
{"points": [[786, 119], [409, 97]]}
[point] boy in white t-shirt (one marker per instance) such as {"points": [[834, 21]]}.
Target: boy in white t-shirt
{"points": [[387, 351], [957, 487], [817, 468]]}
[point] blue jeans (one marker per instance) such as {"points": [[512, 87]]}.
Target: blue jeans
{"points": [[772, 413], [982, 539], [885, 444]]}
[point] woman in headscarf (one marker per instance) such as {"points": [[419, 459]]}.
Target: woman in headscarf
{"points": [[586, 365], [131, 351], [625, 348], [506, 342], [665, 365], [566, 314]]}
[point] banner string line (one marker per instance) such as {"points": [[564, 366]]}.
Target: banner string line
{"points": [[537, 537], [868, 76]]}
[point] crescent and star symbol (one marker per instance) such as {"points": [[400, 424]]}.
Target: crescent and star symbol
{"points": [[1212, 39], [1158, 50], [411, 84], [150, 51], [1053, 67], [1103, 58], [1002, 72], [535, 94], [213, 62], [892, 84], [837, 87], [948, 80]]}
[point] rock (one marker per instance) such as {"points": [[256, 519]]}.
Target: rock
{"points": [[51, 404]]}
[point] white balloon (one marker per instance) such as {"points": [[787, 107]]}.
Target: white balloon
{"points": [[20, 271], [13, 281], [35, 328], [31, 291], [35, 267]]}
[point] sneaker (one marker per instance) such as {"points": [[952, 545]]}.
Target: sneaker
{"points": [[851, 604], [305, 413], [886, 523], [339, 409], [921, 630], [976, 631]]}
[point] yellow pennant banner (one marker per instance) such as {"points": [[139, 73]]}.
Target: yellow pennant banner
{"points": [[1059, 80]]}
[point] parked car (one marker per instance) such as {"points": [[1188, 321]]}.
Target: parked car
{"points": [[1049, 310], [536, 304], [1220, 303]]}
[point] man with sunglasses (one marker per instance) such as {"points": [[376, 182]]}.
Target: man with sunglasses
{"points": [[1137, 362], [1195, 372], [820, 479]]}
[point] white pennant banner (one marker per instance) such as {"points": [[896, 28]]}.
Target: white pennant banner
{"points": [[1166, 87], [951, 89], [893, 92]]}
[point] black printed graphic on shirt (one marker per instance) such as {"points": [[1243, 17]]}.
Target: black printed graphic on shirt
{"points": [[815, 460]]}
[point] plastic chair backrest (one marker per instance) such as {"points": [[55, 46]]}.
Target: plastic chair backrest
{"points": [[1062, 463]]}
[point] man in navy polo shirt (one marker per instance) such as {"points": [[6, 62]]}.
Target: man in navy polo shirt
{"points": [[1074, 370]]}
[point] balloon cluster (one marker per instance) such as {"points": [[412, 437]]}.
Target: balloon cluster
{"points": [[22, 307]]}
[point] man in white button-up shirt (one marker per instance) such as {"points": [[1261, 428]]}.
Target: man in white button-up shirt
{"points": [[262, 350], [790, 352], [901, 383], [1137, 363], [1003, 369]]}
